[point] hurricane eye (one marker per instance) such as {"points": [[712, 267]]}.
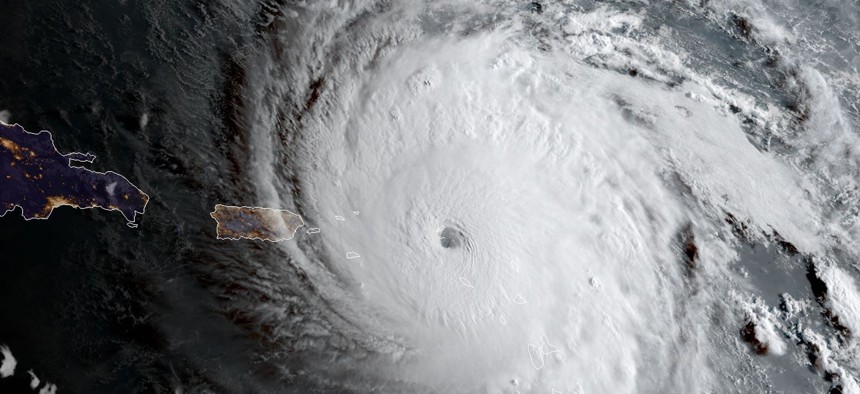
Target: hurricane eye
{"points": [[451, 238]]}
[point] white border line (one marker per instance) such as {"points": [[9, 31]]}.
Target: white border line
{"points": [[218, 236], [130, 223]]}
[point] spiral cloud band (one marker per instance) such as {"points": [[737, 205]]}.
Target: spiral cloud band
{"points": [[542, 197]]}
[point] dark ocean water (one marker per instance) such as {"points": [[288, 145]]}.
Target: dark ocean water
{"points": [[290, 103], [89, 304]]}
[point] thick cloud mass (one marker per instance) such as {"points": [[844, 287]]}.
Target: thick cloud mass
{"points": [[558, 197]]}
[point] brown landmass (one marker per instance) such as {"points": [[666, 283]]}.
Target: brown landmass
{"points": [[263, 224]]}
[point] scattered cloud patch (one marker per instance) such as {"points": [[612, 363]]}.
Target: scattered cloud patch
{"points": [[34, 380], [49, 388], [7, 367]]}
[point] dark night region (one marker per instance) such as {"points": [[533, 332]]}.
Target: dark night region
{"points": [[38, 178], [496, 196]]}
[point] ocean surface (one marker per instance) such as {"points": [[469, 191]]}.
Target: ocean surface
{"points": [[547, 197]]}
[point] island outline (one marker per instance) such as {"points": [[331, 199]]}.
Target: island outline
{"points": [[223, 233], [54, 202]]}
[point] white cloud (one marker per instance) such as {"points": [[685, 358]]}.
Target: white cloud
{"points": [[49, 388], [34, 380], [7, 367]]}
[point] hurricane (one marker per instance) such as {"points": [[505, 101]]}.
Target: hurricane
{"points": [[559, 196], [409, 196]]}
